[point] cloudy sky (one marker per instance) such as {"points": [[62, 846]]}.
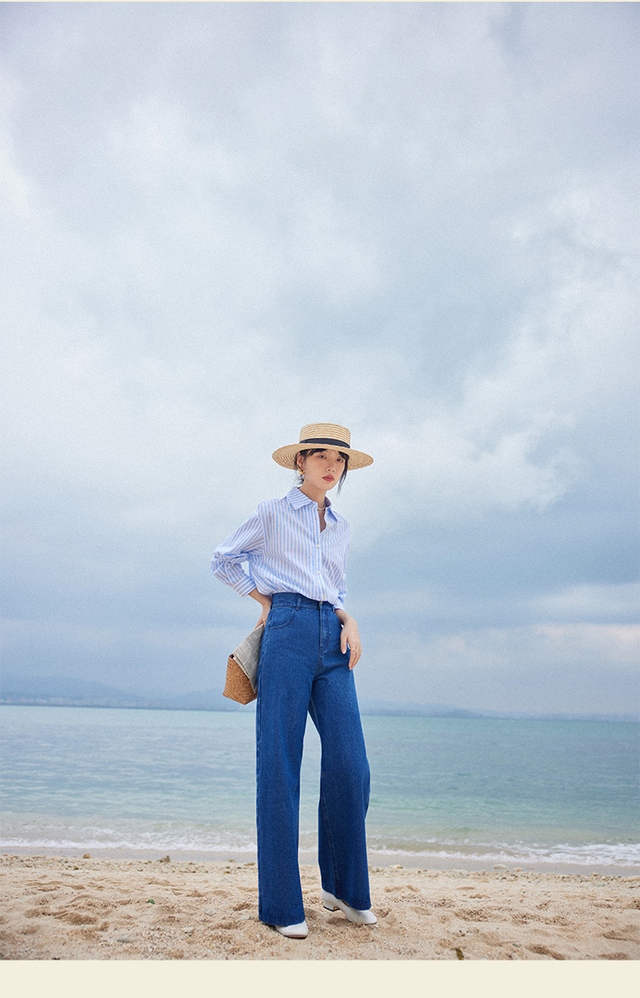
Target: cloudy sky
{"points": [[221, 221]]}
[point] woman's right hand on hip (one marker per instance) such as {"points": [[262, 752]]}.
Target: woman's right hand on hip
{"points": [[265, 602]]}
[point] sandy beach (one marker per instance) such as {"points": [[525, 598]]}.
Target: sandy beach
{"points": [[66, 908]]}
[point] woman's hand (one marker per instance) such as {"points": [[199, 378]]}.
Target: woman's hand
{"points": [[350, 637], [265, 602]]}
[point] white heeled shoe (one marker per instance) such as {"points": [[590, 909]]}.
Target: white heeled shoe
{"points": [[332, 903], [298, 931]]}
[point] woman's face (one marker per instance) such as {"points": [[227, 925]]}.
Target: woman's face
{"points": [[323, 469]]}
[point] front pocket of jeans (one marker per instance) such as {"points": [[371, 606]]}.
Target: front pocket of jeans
{"points": [[280, 616]]}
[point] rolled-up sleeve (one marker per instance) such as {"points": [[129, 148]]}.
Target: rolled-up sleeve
{"points": [[228, 557]]}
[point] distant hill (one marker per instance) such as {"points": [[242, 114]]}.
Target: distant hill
{"points": [[65, 691], [448, 710], [368, 706], [59, 687]]}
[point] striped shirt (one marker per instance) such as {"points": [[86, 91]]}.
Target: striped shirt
{"points": [[286, 551]]}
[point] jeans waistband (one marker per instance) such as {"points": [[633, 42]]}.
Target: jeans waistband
{"points": [[297, 600]]}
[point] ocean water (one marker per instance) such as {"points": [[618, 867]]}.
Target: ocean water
{"points": [[445, 791]]}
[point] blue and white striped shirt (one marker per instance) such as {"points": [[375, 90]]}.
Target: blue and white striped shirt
{"points": [[286, 551]]}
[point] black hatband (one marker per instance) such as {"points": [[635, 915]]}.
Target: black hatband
{"points": [[325, 440]]}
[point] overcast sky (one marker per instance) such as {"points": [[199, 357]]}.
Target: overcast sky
{"points": [[222, 221]]}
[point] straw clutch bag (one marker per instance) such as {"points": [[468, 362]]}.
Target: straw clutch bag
{"points": [[242, 668]]}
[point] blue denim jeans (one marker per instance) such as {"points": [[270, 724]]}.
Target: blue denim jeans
{"points": [[302, 670]]}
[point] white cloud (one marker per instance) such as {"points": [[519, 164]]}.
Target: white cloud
{"points": [[589, 602], [564, 668], [584, 646], [500, 444], [14, 188], [212, 240]]}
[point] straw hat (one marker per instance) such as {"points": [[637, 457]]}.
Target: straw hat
{"points": [[326, 435]]}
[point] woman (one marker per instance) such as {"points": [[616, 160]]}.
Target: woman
{"points": [[296, 548]]}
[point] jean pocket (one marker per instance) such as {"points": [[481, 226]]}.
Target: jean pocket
{"points": [[280, 616]]}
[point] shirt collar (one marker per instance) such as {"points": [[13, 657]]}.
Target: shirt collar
{"points": [[299, 499]]}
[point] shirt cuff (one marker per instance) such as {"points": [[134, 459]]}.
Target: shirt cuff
{"points": [[245, 586]]}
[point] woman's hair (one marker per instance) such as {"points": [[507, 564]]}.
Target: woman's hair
{"points": [[318, 450]]}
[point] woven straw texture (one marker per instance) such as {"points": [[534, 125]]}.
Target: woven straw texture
{"points": [[284, 456], [237, 686]]}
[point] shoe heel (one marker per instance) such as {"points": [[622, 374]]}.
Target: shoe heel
{"points": [[329, 901]]}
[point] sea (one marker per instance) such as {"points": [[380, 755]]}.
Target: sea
{"points": [[456, 793]]}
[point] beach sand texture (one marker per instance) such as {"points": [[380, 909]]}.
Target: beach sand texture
{"points": [[61, 908]]}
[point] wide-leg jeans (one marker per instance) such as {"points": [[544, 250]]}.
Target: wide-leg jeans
{"points": [[302, 670]]}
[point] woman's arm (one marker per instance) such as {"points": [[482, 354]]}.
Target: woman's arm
{"points": [[349, 636], [265, 603], [237, 549]]}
